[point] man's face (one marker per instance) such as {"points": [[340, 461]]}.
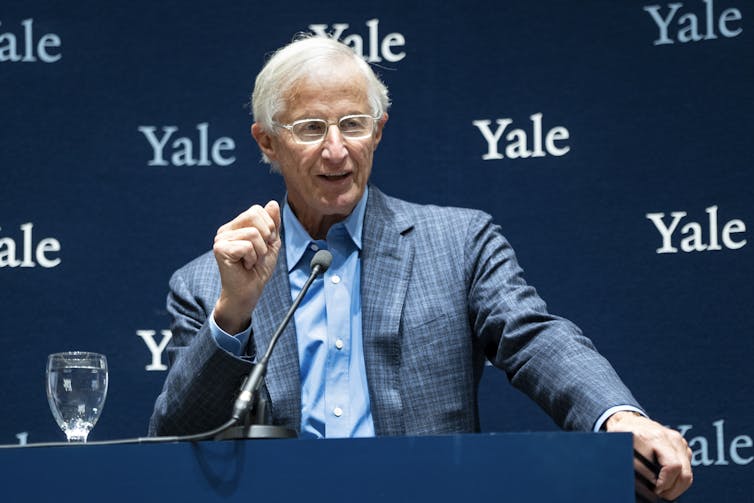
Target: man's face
{"points": [[324, 180]]}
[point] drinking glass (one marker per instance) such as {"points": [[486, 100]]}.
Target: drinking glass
{"points": [[76, 391]]}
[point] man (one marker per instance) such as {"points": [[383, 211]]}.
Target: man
{"points": [[394, 338]]}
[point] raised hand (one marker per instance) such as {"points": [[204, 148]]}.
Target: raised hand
{"points": [[246, 250]]}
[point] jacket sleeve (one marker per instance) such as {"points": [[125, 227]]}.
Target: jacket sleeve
{"points": [[545, 356], [203, 379]]}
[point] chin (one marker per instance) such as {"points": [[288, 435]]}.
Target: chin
{"points": [[341, 205]]}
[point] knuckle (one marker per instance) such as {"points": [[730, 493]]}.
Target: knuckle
{"points": [[675, 467], [221, 235], [254, 233]]}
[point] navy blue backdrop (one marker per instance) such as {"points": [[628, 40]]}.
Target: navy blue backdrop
{"points": [[611, 141]]}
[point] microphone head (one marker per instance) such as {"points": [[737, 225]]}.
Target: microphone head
{"points": [[323, 259]]}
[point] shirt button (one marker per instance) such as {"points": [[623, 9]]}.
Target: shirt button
{"points": [[337, 411], [335, 279], [314, 247], [339, 344]]}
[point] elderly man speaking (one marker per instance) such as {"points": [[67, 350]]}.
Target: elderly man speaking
{"points": [[393, 339]]}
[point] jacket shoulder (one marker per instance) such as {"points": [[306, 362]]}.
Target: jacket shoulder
{"points": [[431, 216]]}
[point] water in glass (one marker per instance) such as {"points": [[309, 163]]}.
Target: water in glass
{"points": [[76, 391]]}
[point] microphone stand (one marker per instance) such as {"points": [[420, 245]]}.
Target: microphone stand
{"points": [[249, 395]]}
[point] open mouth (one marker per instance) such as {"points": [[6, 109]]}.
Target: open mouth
{"points": [[335, 177]]}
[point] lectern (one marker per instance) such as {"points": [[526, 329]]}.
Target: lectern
{"points": [[530, 467]]}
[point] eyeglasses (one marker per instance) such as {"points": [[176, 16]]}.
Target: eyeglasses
{"points": [[352, 127]]}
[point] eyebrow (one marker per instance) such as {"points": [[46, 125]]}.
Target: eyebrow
{"points": [[319, 116]]}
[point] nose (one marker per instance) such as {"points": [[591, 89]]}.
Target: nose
{"points": [[334, 147]]}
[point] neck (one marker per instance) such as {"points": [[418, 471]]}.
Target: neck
{"points": [[319, 230], [317, 226]]}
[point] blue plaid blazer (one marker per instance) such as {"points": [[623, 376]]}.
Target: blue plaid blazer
{"points": [[442, 293]]}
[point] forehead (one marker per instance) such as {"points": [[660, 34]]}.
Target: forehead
{"points": [[328, 93]]}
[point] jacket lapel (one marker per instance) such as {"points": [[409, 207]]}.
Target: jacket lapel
{"points": [[387, 258]]}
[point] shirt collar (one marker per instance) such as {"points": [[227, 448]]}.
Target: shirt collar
{"points": [[297, 239]]}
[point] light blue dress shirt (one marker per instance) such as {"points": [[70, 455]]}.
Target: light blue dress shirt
{"points": [[334, 392]]}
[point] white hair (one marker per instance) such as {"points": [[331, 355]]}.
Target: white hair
{"points": [[298, 60]]}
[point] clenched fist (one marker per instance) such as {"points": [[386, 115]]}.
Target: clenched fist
{"points": [[246, 250]]}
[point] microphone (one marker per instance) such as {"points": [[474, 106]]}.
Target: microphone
{"points": [[319, 264]]}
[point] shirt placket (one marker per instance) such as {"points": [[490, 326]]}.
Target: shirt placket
{"points": [[338, 302]]}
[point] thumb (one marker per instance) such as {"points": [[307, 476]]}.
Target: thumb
{"points": [[273, 209]]}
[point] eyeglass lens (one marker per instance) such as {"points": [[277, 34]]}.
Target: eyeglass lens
{"points": [[351, 126]]}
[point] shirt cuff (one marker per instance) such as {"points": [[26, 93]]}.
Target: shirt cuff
{"points": [[231, 343], [612, 410]]}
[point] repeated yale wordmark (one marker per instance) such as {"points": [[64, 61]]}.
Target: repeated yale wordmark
{"points": [[683, 25], [520, 145], [694, 236], [196, 150], [377, 48], [26, 48], [23, 254]]}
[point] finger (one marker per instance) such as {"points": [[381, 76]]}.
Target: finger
{"points": [[666, 481], [262, 219], [251, 234], [249, 261], [255, 216], [675, 482], [260, 250], [643, 491], [645, 469], [273, 210], [231, 252], [242, 245], [676, 475]]}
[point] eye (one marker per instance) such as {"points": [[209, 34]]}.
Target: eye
{"points": [[310, 129], [353, 124], [349, 123]]}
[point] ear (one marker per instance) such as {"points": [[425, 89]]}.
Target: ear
{"points": [[380, 124], [264, 140]]}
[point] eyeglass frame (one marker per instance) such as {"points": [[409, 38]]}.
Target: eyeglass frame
{"points": [[298, 140]]}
